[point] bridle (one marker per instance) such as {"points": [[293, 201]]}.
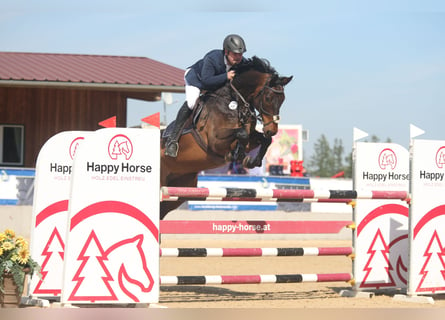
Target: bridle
{"points": [[275, 117], [250, 112]]}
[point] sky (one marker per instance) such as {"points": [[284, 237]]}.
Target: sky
{"points": [[375, 65]]}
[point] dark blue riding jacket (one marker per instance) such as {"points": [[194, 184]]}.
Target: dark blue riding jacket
{"points": [[210, 72]]}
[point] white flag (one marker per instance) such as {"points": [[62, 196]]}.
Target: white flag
{"points": [[415, 131], [358, 134]]}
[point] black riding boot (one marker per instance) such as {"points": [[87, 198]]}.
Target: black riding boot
{"points": [[172, 146]]}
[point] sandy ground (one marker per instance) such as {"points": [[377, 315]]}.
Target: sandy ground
{"points": [[293, 295]]}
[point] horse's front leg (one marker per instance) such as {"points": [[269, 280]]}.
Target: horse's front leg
{"points": [[264, 142], [238, 149], [238, 153]]}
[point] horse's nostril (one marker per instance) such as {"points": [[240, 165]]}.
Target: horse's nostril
{"points": [[270, 133]]}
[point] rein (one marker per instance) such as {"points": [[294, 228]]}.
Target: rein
{"points": [[275, 117], [246, 112]]}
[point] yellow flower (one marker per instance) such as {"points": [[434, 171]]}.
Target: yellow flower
{"points": [[23, 256], [7, 246], [21, 242], [10, 233], [15, 258]]}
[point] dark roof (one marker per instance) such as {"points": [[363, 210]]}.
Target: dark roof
{"points": [[88, 69]]}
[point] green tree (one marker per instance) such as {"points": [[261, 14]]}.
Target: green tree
{"points": [[337, 154], [374, 138], [327, 161], [348, 165], [322, 161]]}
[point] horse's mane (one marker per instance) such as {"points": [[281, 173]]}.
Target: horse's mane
{"points": [[255, 63]]}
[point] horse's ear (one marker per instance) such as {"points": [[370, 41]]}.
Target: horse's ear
{"points": [[285, 80]]}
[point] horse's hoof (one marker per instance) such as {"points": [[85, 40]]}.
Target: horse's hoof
{"points": [[246, 163], [250, 163]]}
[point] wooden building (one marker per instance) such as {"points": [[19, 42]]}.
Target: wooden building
{"points": [[43, 94]]}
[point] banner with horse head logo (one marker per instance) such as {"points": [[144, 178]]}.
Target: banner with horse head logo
{"points": [[112, 253]]}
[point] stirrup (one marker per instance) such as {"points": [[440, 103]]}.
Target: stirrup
{"points": [[172, 149]]}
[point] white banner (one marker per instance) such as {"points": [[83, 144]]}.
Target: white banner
{"points": [[50, 210], [427, 212], [112, 253], [381, 234]]}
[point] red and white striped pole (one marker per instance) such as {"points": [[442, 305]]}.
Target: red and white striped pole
{"points": [[255, 279]]}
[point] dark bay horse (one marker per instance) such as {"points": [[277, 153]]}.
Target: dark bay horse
{"points": [[222, 126]]}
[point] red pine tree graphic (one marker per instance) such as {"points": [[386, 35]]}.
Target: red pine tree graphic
{"points": [[116, 149], [376, 263], [51, 283], [92, 276], [433, 270]]}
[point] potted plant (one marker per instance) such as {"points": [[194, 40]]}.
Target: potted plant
{"points": [[15, 263]]}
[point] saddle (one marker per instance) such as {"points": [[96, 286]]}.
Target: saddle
{"points": [[191, 122], [191, 125]]}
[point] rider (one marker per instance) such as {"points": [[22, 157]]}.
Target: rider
{"points": [[209, 73]]}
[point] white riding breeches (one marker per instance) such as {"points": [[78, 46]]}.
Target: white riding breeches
{"points": [[191, 93]]}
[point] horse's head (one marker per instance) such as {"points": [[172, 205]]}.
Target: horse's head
{"points": [[268, 103], [133, 268], [263, 89]]}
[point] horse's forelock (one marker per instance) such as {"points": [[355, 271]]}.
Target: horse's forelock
{"points": [[275, 81]]}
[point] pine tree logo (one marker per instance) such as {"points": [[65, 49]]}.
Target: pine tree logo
{"points": [[50, 283], [94, 272], [120, 146], [378, 260], [440, 157], [387, 159], [108, 274], [434, 267]]}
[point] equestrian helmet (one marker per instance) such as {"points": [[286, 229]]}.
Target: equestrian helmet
{"points": [[234, 43]]}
